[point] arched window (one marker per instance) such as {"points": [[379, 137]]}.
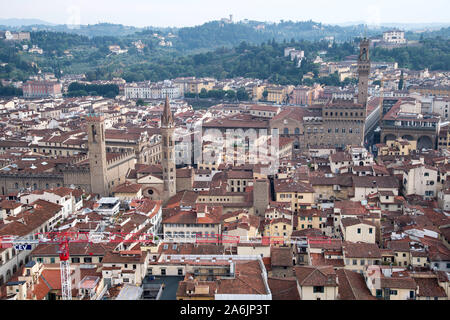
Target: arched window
{"points": [[286, 130], [297, 131]]}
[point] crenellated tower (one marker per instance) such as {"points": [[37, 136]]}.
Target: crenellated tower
{"points": [[168, 152], [363, 71], [97, 154]]}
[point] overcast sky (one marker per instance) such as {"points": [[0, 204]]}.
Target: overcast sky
{"points": [[194, 12]]}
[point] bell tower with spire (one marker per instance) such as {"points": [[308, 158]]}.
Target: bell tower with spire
{"points": [[168, 153]]}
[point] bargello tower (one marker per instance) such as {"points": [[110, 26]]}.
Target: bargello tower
{"points": [[97, 154], [168, 156]]}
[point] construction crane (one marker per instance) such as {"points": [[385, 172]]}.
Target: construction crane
{"points": [[63, 239]]}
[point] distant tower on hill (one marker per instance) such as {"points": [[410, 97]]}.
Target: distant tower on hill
{"points": [[168, 153], [97, 154]]}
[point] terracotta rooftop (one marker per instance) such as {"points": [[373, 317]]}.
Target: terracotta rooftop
{"points": [[284, 289], [352, 286], [316, 276]]}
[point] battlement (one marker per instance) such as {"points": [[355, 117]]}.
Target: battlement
{"points": [[79, 159], [31, 175], [365, 41], [95, 117], [127, 155], [364, 66], [72, 169]]}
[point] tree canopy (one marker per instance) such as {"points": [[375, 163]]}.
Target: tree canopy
{"points": [[79, 90]]}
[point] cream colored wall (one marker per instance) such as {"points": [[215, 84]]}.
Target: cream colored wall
{"points": [[307, 293], [419, 261], [361, 193], [233, 219], [139, 274], [19, 295], [410, 108], [358, 267], [351, 233], [253, 251], [128, 196], [243, 183], [402, 294], [239, 232], [308, 199], [446, 287], [171, 270], [334, 166], [276, 230], [47, 260], [116, 174], [401, 260], [315, 223]]}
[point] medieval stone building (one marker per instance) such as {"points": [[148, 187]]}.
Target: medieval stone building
{"points": [[337, 123], [100, 171]]}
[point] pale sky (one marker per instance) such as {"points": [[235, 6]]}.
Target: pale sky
{"points": [[179, 13]]}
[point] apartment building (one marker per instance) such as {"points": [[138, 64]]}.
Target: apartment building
{"points": [[40, 217], [42, 89]]}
